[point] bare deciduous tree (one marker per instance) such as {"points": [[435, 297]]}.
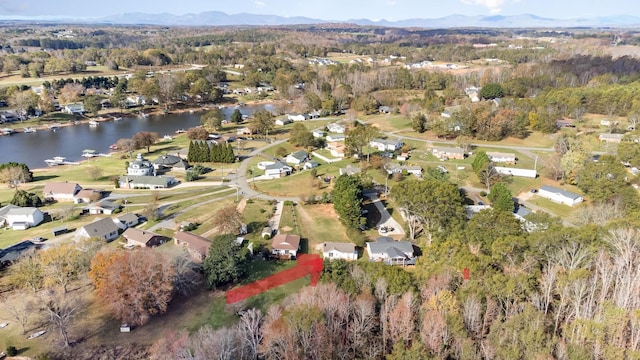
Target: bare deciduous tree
{"points": [[250, 331], [19, 308], [60, 310], [228, 220]]}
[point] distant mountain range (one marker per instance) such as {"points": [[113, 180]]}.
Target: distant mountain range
{"points": [[217, 18]]}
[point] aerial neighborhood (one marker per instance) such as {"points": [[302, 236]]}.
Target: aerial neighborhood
{"points": [[302, 191]]}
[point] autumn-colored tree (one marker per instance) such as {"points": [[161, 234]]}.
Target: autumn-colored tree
{"points": [[133, 284], [228, 220], [27, 272], [60, 265], [198, 133], [144, 139]]}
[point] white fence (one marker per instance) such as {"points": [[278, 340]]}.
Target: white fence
{"points": [[529, 173]]}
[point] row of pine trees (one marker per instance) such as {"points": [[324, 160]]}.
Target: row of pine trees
{"points": [[203, 151]]}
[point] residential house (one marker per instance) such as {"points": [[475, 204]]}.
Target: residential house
{"points": [[612, 138], [297, 157], [285, 246], [87, 196], [105, 207], [277, 170], [196, 245], [318, 133], [446, 153], [244, 131], [143, 238], [73, 109], [3, 213], [140, 166], [146, 182], [386, 144], [559, 195], [60, 191], [22, 218], [128, 220], [350, 170], [315, 114], [310, 165], [392, 168], [338, 250], [391, 252], [15, 252], [105, 228], [335, 137], [296, 117], [136, 100], [336, 128], [167, 161], [283, 121], [498, 157], [336, 148]]}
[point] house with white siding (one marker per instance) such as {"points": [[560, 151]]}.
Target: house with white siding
{"points": [[560, 196]]}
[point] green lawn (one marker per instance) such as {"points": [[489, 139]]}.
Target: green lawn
{"points": [[560, 210], [289, 220]]}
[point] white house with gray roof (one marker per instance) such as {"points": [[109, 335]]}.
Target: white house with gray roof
{"points": [[386, 144], [22, 218], [339, 250], [391, 252], [297, 157], [277, 170], [104, 228], [560, 196], [146, 182]]}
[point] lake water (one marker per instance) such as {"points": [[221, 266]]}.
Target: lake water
{"points": [[33, 148]]}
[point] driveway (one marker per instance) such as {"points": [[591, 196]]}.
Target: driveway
{"points": [[385, 217]]}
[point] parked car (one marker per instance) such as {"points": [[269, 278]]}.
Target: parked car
{"points": [[38, 239]]}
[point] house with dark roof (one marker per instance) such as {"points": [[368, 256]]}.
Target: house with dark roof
{"points": [[560, 195], [173, 162], [61, 191], [285, 246], [196, 245], [391, 252], [104, 228], [143, 238], [339, 250]]}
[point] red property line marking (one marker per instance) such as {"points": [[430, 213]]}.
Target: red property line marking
{"points": [[306, 265]]}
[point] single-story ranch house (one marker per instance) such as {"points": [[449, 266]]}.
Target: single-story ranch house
{"points": [[285, 246], [146, 182], [297, 157], [391, 252], [498, 157], [386, 145], [143, 238], [560, 196], [60, 191], [446, 153], [277, 170], [336, 250], [196, 245], [104, 228]]}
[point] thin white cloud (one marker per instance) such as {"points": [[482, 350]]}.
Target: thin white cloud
{"points": [[260, 4], [392, 2], [494, 6]]}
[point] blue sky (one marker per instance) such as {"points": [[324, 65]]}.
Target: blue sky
{"points": [[324, 9]]}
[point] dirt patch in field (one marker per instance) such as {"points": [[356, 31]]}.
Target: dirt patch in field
{"points": [[325, 209], [286, 228]]}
